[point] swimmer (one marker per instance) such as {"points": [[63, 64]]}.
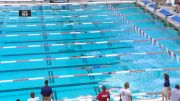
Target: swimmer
{"points": [[92, 67]]}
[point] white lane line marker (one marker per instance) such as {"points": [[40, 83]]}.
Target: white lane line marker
{"points": [[39, 78], [94, 31], [34, 34], [87, 23], [34, 46], [12, 35], [35, 60], [11, 26], [101, 42], [57, 44], [50, 24], [3, 62], [31, 25], [9, 47], [111, 55], [139, 53], [63, 58]]}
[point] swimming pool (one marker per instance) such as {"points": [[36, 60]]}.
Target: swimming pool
{"points": [[80, 48]]}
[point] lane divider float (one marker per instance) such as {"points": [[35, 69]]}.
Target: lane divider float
{"points": [[92, 74], [145, 35], [81, 57]]}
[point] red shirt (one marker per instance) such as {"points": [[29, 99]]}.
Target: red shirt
{"points": [[103, 96]]}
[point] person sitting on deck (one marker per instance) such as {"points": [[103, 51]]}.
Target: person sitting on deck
{"points": [[104, 95], [46, 92], [177, 6], [159, 3], [33, 98]]}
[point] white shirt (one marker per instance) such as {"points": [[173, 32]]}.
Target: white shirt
{"points": [[175, 95], [125, 94], [33, 99]]}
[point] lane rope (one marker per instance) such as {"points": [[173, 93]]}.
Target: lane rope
{"points": [[83, 43], [81, 32], [81, 57], [145, 35], [92, 74]]}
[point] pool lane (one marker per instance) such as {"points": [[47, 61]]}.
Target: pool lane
{"points": [[134, 56]]}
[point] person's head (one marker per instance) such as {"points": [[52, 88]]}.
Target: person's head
{"points": [[166, 76], [126, 85], [32, 94], [18, 100], [46, 82], [103, 87], [177, 86]]}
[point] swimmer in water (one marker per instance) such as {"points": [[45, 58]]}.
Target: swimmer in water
{"points": [[92, 67]]}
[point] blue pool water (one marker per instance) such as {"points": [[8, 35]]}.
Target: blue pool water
{"points": [[66, 32]]}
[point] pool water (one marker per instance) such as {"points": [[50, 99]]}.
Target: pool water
{"points": [[57, 40]]}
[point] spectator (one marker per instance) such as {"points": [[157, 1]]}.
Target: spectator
{"points": [[177, 6], [175, 94], [125, 93], [46, 92], [33, 98], [166, 88], [104, 95]]}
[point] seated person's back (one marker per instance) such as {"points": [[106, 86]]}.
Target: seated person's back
{"points": [[33, 98]]}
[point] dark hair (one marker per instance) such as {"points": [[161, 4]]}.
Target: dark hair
{"points": [[18, 100], [177, 86], [32, 94], [103, 87], [166, 76], [46, 82], [126, 85]]}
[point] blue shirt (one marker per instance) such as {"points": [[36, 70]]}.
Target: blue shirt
{"points": [[166, 83], [46, 91]]}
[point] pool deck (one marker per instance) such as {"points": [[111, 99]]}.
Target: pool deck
{"points": [[168, 20]]}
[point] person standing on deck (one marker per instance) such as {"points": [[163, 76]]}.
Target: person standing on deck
{"points": [[125, 93], [104, 95], [46, 92], [166, 88]]}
